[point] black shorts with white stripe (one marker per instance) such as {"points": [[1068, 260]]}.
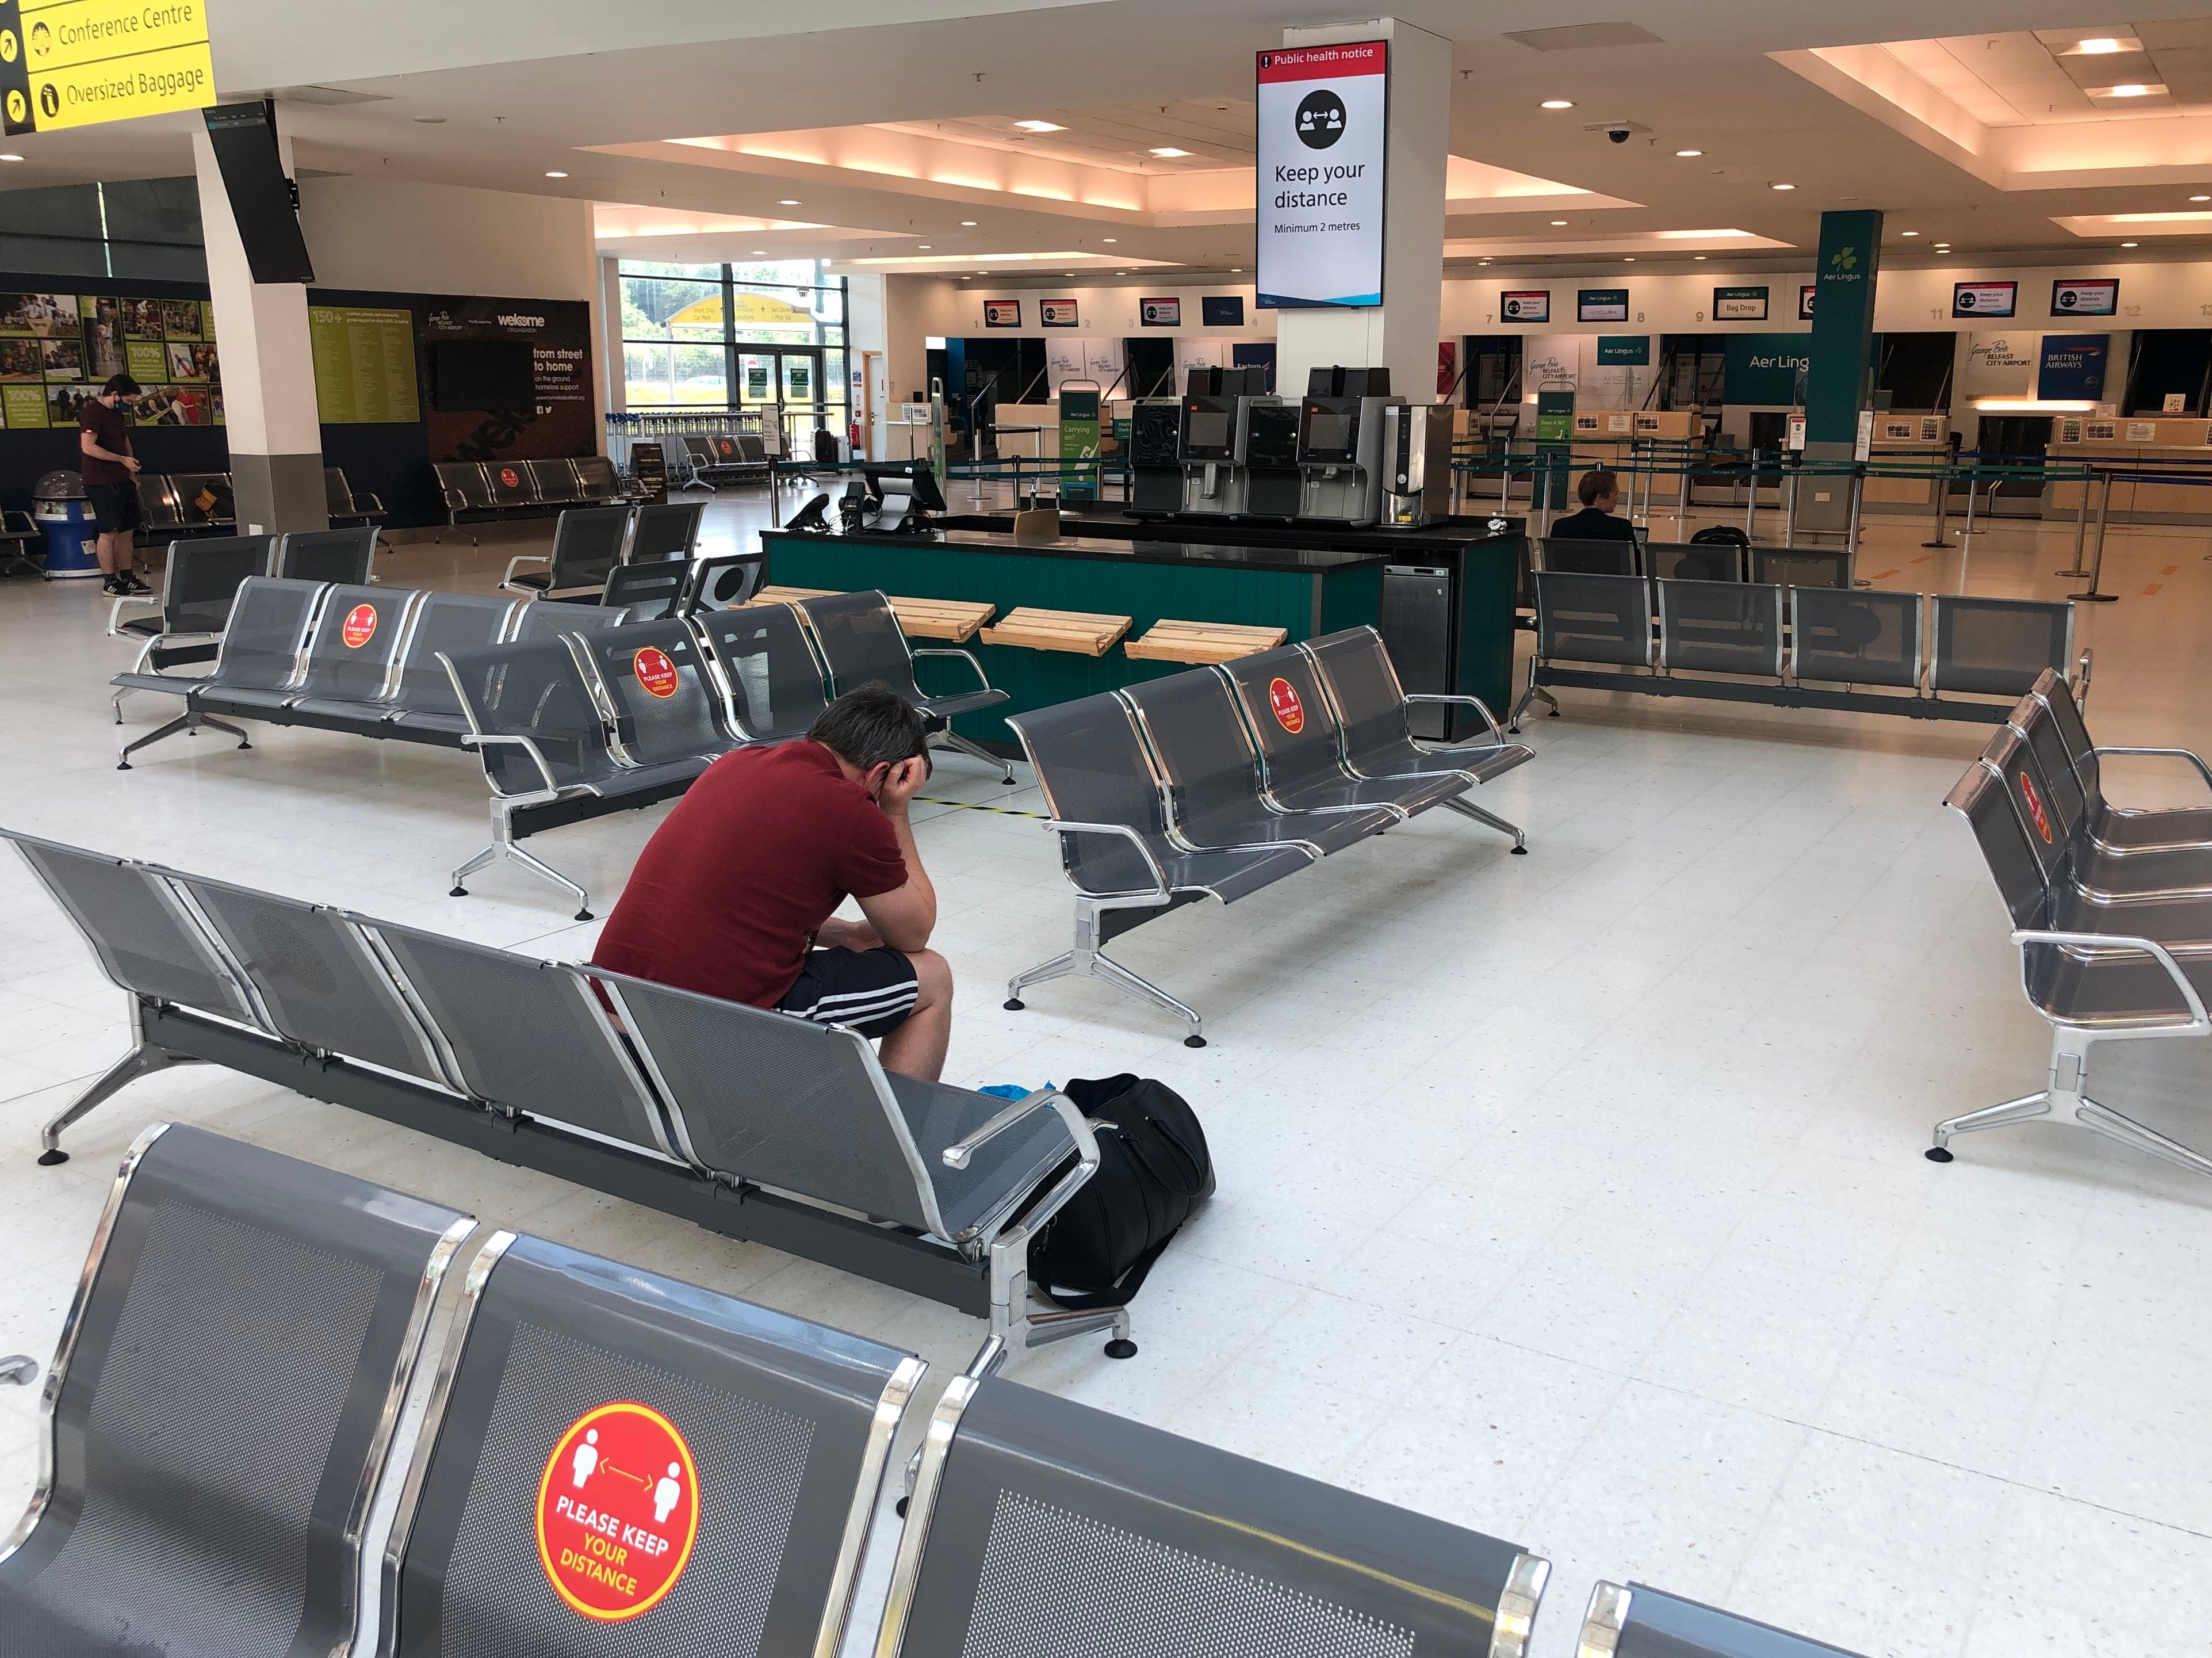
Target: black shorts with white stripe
{"points": [[872, 990]]}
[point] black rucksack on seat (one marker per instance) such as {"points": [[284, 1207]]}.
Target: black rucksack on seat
{"points": [[1154, 1170]]}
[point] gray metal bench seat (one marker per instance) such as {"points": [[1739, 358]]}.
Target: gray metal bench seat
{"points": [[755, 1546], [663, 709], [1210, 774], [2095, 970], [755, 1125], [2118, 829], [1632, 1621], [587, 545], [1115, 844], [769, 674], [199, 581], [422, 700], [1373, 716], [1039, 1525], [860, 639], [665, 530], [257, 668], [220, 1409], [2030, 755], [334, 555], [646, 593]]}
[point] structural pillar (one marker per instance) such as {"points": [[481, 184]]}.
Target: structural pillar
{"points": [[1836, 369], [268, 371], [1401, 333]]}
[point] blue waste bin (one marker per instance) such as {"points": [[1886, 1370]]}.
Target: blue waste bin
{"points": [[58, 507]]}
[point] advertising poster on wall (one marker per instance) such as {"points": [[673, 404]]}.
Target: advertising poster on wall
{"points": [[2072, 368], [364, 365], [1550, 360], [2086, 296], [55, 349], [1999, 365], [1321, 113], [560, 424], [1984, 299]]}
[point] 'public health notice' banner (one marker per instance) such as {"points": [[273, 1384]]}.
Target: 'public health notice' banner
{"points": [[1319, 200]]}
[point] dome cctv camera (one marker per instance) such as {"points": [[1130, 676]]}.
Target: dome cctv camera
{"points": [[1618, 134]]}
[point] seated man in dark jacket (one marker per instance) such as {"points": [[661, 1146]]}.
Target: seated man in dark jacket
{"points": [[1599, 493]]}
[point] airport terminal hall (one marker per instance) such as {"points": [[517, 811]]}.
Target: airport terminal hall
{"points": [[1023, 829]]}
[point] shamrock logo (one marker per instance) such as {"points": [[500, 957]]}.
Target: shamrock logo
{"points": [[1845, 259]]}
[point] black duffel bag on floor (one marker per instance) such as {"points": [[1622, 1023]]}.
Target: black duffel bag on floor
{"points": [[1154, 1170]]}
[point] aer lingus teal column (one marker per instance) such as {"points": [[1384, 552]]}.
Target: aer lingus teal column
{"points": [[1836, 378]]}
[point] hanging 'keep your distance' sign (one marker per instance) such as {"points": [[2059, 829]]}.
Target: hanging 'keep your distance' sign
{"points": [[1319, 197]]}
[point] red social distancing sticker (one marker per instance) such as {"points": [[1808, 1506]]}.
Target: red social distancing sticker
{"points": [[1290, 712], [359, 626], [509, 477], [2038, 813], [617, 1511], [654, 671]]}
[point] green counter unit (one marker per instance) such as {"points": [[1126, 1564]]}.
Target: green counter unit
{"points": [[1306, 592]]}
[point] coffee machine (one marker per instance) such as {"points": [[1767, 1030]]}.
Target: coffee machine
{"points": [[1267, 450], [1212, 402], [1417, 440], [1155, 473], [1340, 444]]}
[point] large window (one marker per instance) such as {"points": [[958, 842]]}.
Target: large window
{"points": [[736, 338]]}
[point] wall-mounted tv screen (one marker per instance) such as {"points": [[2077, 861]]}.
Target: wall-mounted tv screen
{"points": [[245, 140], [482, 374]]}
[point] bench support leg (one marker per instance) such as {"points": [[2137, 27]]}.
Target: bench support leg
{"points": [[145, 1058], [1469, 808], [2067, 1090], [502, 847], [950, 739], [1089, 960], [189, 722], [1016, 1321]]}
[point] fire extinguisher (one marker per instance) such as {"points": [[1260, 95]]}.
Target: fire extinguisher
{"points": [[853, 436]]}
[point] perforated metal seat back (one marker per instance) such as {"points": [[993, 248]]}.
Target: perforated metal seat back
{"points": [[1001, 1173], [554, 480], [1730, 627], [319, 983], [1282, 699], [222, 1408], [575, 1370], [157, 505], [266, 632], [1856, 637], [1802, 567], [524, 1033], [357, 636], [648, 592], [468, 480], [1090, 765], [1569, 558], [596, 476], [513, 484], [1998, 646], [540, 619], [1191, 725], [2044, 828], [665, 530], [1661, 1625], [2032, 718], [342, 554], [1593, 618], [2051, 688], [768, 668], [861, 641], [726, 581], [337, 494], [774, 1099], [202, 497], [1981, 798], [532, 690], [588, 544], [1364, 684], [446, 623], [1687, 560], [654, 676], [202, 579], [1059, 1529], [143, 938]]}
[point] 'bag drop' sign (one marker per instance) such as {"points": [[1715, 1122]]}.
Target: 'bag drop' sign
{"points": [[1318, 202]]}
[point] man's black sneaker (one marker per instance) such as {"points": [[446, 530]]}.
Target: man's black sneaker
{"points": [[112, 587], [132, 584]]}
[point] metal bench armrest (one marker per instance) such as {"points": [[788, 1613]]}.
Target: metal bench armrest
{"points": [[2198, 1021], [523, 558], [479, 738], [1164, 893], [22, 1369], [983, 679], [959, 1155], [2191, 755], [1474, 703], [115, 610]]}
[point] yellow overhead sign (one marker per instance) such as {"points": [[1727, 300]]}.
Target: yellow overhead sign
{"points": [[73, 63]]}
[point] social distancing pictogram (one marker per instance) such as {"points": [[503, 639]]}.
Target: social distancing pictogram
{"points": [[2037, 813], [359, 626], [1290, 713], [654, 672], [617, 1511]]}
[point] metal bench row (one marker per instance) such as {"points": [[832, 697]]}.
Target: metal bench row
{"points": [[1792, 647], [170, 505], [612, 1460], [2110, 909], [201, 576], [590, 543], [1700, 561], [750, 1123], [499, 488], [1221, 781]]}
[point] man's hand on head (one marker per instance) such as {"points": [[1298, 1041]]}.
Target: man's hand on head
{"points": [[903, 780]]}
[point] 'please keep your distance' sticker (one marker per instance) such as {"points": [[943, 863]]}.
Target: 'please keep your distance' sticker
{"points": [[617, 1511]]}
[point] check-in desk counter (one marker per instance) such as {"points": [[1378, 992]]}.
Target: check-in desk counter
{"points": [[1905, 442], [1152, 574], [2155, 444]]}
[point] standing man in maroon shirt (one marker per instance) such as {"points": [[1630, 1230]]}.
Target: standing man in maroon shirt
{"points": [[733, 897], [106, 463]]}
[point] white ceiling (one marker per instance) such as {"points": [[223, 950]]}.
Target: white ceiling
{"points": [[608, 94]]}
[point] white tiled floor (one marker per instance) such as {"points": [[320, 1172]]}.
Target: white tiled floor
{"points": [[1575, 1198]]}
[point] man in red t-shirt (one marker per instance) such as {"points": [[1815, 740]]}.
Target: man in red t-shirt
{"points": [[106, 464], [733, 897]]}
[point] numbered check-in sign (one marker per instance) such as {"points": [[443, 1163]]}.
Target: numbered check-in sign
{"points": [[1318, 199]]}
